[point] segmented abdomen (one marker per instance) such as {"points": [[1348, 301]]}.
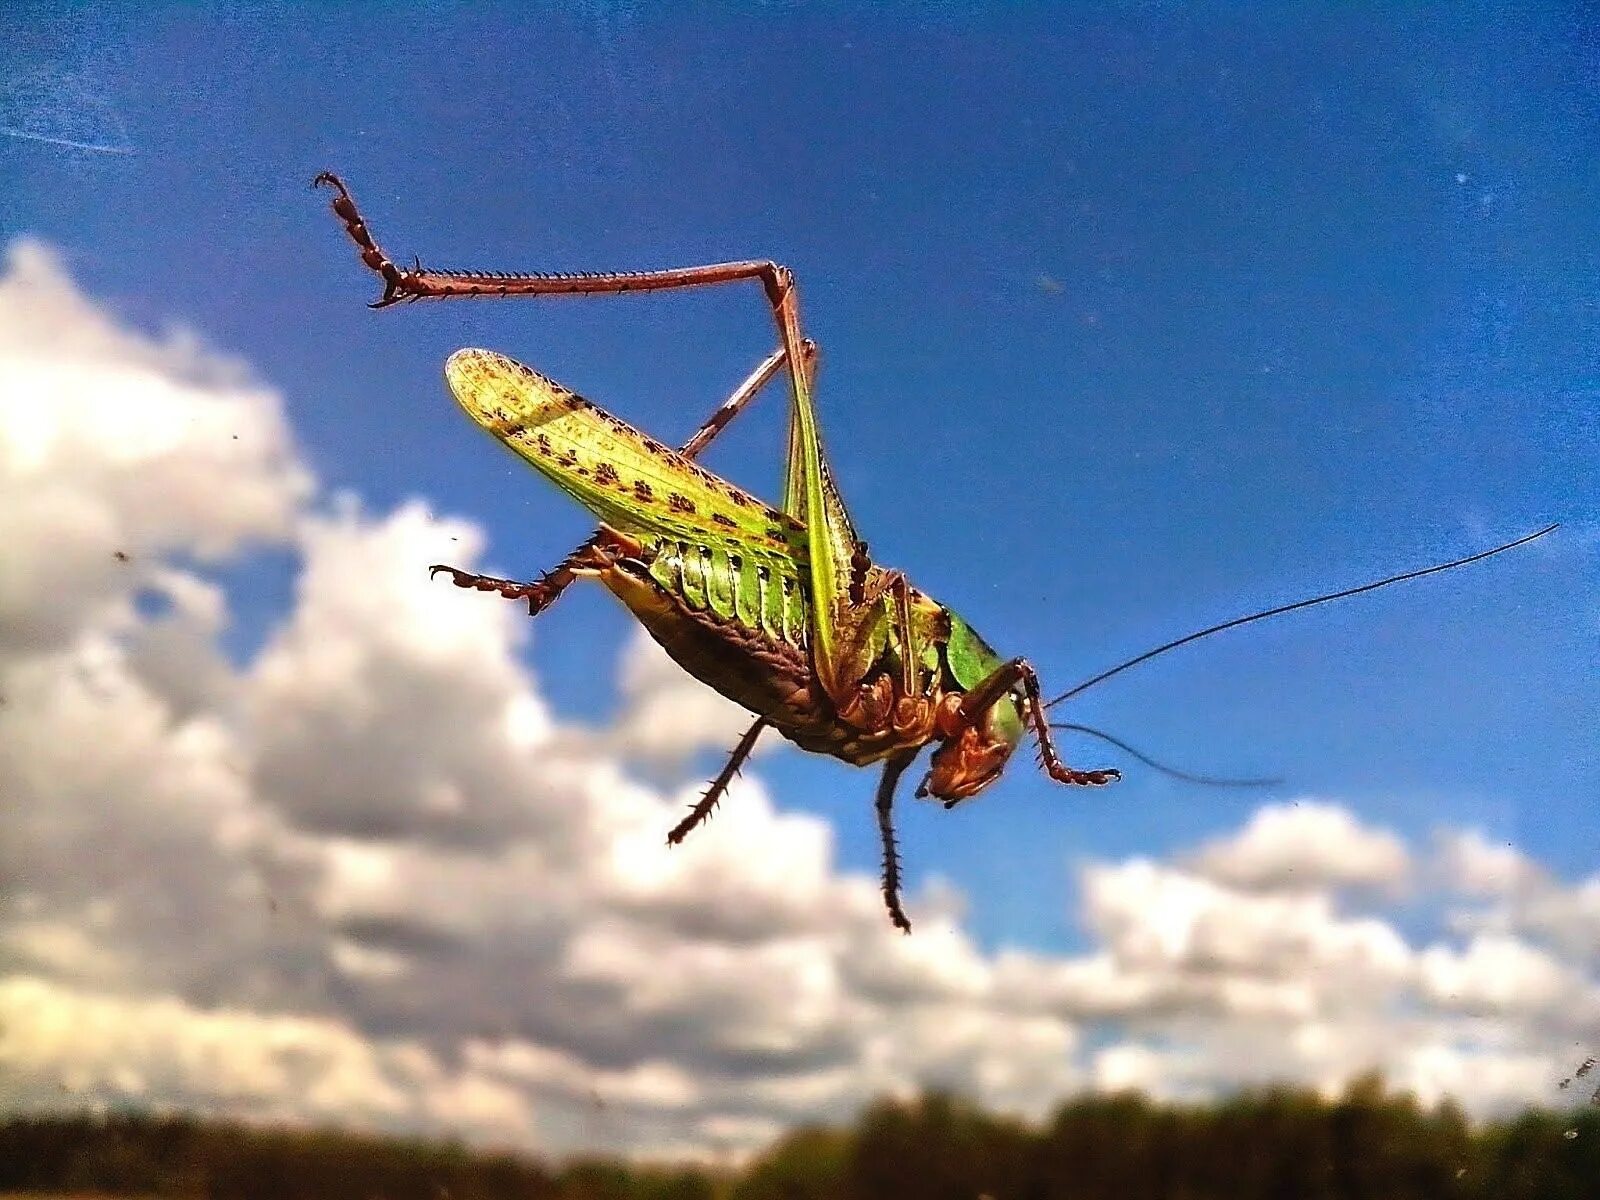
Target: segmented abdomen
{"points": [[761, 593]]}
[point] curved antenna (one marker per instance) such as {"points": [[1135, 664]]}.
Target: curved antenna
{"points": [[1284, 608], [1207, 780]]}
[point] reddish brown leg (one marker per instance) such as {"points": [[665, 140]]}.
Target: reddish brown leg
{"points": [[746, 392], [417, 283], [892, 770], [1008, 676], [589, 557], [539, 594], [707, 804]]}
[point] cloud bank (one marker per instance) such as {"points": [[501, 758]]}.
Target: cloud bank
{"points": [[369, 877]]}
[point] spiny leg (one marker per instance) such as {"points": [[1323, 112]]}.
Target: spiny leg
{"points": [[1003, 679], [842, 632], [544, 591], [832, 538], [1058, 770], [591, 556], [707, 803], [417, 282], [892, 770], [746, 392], [538, 593]]}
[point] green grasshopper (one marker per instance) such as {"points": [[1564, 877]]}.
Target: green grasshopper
{"points": [[781, 609]]}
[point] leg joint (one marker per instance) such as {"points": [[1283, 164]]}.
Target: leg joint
{"points": [[778, 281]]}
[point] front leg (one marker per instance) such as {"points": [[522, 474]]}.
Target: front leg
{"points": [[1005, 677]]}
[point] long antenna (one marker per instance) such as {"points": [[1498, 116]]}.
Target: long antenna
{"points": [[1283, 608], [1207, 780]]}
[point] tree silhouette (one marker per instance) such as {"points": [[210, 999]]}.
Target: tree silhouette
{"points": [[1275, 1144]]}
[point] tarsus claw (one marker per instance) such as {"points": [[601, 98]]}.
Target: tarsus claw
{"points": [[329, 179]]}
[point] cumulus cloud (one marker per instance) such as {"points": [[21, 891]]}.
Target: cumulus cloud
{"points": [[1496, 974], [369, 876], [667, 714], [1504, 891], [384, 707], [117, 449], [1305, 845]]}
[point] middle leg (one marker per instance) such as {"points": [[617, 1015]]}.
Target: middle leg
{"points": [[707, 803], [892, 770], [1002, 680]]}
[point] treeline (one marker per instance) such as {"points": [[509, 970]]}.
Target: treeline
{"points": [[130, 1154], [1280, 1144]]}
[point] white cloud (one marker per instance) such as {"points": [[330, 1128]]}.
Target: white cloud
{"points": [[668, 714], [1497, 974], [114, 444], [1305, 845], [1468, 862], [370, 876], [390, 705], [1153, 916], [160, 1050], [1510, 894]]}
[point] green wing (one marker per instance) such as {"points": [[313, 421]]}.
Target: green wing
{"points": [[710, 541]]}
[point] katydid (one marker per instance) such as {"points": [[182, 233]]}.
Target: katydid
{"points": [[779, 608]]}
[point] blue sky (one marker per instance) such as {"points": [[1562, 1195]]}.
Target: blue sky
{"points": [[1133, 318]]}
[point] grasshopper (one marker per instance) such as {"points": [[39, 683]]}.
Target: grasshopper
{"points": [[779, 608]]}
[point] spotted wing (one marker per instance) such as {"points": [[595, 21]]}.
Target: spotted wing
{"points": [[709, 541]]}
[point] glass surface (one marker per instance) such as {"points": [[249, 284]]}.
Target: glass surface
{"points": [[1132, 319]]}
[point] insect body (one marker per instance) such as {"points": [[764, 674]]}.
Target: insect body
{"points": [[724, 582], [780, 608]]}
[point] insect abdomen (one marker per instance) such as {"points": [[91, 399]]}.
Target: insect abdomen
{"points": [[758, 591]]}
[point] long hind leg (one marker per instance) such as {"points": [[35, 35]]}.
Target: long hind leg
{"points": [[417, 283], [421, 283], [797, 352]]}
